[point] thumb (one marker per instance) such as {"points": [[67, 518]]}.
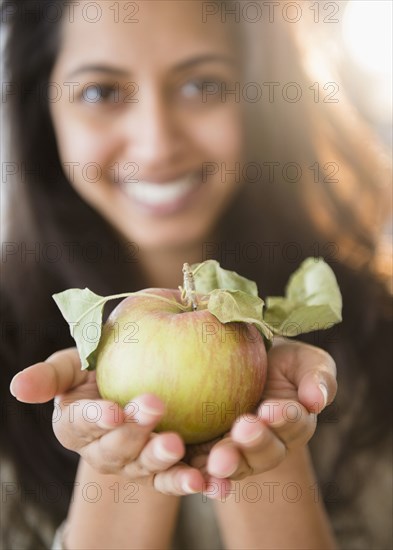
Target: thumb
{"points": [[317, 389], [43, 381]]}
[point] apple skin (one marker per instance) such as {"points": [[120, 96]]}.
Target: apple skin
{"points": [[206, 373]]}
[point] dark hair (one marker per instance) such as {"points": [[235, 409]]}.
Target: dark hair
{"points": [[67, 244], [48, 212]]}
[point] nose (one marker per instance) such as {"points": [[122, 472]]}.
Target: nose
{"points": [[153, 135]]}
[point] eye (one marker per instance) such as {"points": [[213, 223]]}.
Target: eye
{"points": [[192, 89], [203, 88], [100, 93]]}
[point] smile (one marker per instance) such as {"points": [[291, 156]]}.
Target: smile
{"points": [[163, 197]]}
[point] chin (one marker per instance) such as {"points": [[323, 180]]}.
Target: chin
{"points": [[176, 237]]}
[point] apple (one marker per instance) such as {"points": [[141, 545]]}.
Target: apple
{"points": [[207, 373]]}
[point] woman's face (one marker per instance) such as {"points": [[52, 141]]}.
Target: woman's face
{"points": [[140, 137]]}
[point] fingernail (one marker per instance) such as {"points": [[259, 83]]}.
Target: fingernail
{"points": [[278, 423], [324, 393], [12, 385], [225, 473], [188, 489], [163, 454], [253, 433], [12, 390], [267, 413], [144, 414], [149, 410]]}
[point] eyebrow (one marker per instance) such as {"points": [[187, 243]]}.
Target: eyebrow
{"points": [[108, 69], [98, 69], [207, 58]]}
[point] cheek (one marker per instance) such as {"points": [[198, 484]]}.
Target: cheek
{"points": [[220, 134], [84, 151]]}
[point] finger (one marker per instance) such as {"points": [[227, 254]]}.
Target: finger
{"points": [[179, 480], [313, 371], [317, 388], [290, 421], [42, 381], [77, 423], [93, 420], [138, 456], [224, 459], [161, 452], [258, 448]]}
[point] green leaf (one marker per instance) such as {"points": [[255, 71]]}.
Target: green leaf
{"points": [[313, 301], [82, 309], [210, 276], [235, 305]]}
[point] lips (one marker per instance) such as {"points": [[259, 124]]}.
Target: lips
{"points": [[162, 196]]}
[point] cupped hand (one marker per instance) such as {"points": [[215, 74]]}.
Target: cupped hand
{"points": [[112, 439], [301, 382]]}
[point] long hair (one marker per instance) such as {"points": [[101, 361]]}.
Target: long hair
{"points": [[55, 240]]}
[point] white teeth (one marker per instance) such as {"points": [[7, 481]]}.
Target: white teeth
{"points": [[156, 194]]}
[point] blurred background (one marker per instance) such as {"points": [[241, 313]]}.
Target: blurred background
{"points": [[363, 51]]}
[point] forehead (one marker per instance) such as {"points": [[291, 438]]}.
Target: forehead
{"points": [[140, 33]]}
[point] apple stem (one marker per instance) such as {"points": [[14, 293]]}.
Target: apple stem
{"points": [[189, 292]]}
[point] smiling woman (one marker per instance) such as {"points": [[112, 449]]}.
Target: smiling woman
{"points": [[175, 134], [140, 98]]}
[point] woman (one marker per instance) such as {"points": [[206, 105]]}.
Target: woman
{"points": [[108, 97]]}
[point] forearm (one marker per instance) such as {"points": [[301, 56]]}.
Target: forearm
{"points": [[107, 512], [280, 509]]}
